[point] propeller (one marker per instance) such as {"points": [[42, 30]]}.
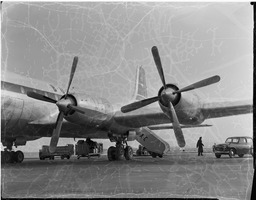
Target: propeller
{"points": [[199, 84], [73, 69], [166, 97], [40, 97], [139, 104], [157, 60], [64, 105], [56, 133], [176, 126]]}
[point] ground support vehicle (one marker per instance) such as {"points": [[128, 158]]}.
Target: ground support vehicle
{"points": [[85, 149], [234, 146], [142, 151], [62, 151]]}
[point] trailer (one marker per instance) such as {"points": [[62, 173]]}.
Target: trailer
{"points": [[61, 151], [88, 148]]}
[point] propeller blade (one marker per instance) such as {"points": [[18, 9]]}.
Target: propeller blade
{"points": [[40, 97], [157, 60], [176, 126], [139, 104], [76, 108], [202, 83], [73, 69], [56, 133]]}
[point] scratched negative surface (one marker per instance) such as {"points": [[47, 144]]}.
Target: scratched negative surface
{"points": [[195, 41]]}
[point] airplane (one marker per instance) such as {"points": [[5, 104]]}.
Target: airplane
{"points": [[29, 113]]}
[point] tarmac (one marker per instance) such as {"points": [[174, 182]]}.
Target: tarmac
{"points": [[177, 175]]}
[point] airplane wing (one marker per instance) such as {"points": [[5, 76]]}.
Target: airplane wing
{"points": [[223, 109], [182, 126], [155, 116]]}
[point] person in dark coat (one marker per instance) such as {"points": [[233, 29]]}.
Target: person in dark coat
{"points": [[200, 145]]}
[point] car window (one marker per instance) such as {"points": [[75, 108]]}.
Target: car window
{"points": [[235, 140], [242, 141], [249, 140], [228, 140]]}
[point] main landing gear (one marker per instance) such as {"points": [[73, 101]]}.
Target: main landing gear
{"points": [[9, 156], [120, 151]]}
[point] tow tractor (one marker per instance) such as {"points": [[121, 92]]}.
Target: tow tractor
{"points": [[62, 151], [88, 148], [142, 151]]}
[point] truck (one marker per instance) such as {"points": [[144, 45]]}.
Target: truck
{"points": [[62, 151], [88, 148]]}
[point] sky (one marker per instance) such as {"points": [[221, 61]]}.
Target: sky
{"points": [[195, 41]]}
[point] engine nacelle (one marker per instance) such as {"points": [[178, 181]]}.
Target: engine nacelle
{"points": [[131, 136]]}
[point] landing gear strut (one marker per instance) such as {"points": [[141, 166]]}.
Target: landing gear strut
{"points": [[9, 156], [120, 151]]}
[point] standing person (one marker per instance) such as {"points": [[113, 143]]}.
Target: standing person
{"points": [[200, 145]]}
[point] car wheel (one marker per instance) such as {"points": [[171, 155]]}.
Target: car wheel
{"points": [[241, 155], [217, 155], [231, 153]]}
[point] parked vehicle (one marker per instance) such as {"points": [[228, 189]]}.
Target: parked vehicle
{"points": [[234, 146], [62, 151], [88, 148]]}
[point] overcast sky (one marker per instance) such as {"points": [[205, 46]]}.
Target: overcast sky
{"points": [[195, 41]]}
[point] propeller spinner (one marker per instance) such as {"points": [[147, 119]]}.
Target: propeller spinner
{"points": [[167, 97], [64, 105]]}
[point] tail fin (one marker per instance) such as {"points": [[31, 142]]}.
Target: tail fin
{"points": [[140, 91]]}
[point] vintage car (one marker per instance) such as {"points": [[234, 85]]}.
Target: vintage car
{"points": [[234, 146]]}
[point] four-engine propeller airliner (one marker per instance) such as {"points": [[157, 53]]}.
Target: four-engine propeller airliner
{"points": [[29, 113]]}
